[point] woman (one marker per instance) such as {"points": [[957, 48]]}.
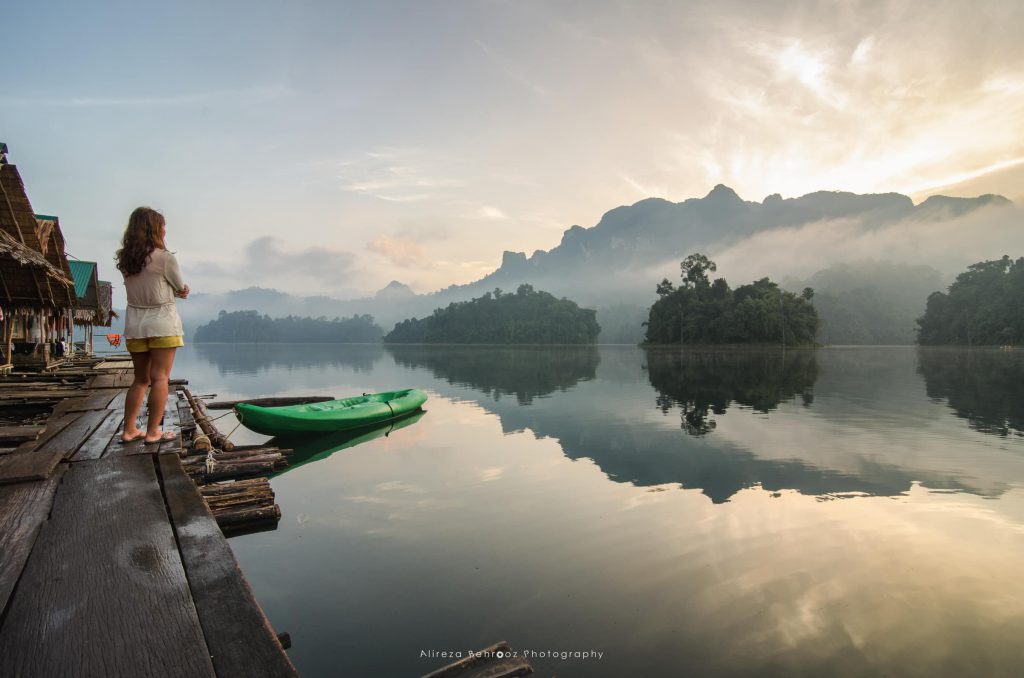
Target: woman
{"points": [[152, 328]]}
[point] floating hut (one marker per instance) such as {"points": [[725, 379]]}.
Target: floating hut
{"points": [[93, 300], [37, 294]]}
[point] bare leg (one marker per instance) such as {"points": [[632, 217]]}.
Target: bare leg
{"points": [[136, 392], [160, 362]]}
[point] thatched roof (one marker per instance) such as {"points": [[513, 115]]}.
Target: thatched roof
{"points": [[51, 241], [26, 278], [105, 296], [34, 271]]}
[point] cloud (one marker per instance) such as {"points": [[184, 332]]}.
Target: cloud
{"points": [[269, 255], [490, 212], [397, 175], [405, 252], [268, 262], [948, 245]]}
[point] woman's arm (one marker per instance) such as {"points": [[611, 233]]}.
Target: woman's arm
{"points": [[173, 275]]}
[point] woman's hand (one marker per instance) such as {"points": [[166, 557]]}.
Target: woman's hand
{"points": [[183, 292]]}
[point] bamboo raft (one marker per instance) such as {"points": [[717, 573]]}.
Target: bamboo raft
{"points": [[123, 545]]}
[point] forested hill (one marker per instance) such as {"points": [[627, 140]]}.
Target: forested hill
{"points": [[526, 317], [983, 307], [251, 327], [700, 311], [609, 265]]}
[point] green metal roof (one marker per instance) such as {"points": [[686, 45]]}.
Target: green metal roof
{"points": [[82, 272], [46, 217]]}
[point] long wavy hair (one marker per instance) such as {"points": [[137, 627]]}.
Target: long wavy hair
{"points": [[145, 233]]}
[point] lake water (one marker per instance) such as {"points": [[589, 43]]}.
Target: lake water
{"points": [[839, 512]]}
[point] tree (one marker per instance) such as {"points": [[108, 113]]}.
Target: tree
{"points": [[983, 306], [700, 312], [527, 317], [695, 269]]}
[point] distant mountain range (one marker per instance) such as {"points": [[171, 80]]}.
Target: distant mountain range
{"points": [[610, 264]]}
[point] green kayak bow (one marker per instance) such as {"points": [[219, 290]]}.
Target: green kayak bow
{"points": [[333, 415]]}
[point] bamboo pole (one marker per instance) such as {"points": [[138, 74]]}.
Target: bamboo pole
{"points": [[202, 418]]}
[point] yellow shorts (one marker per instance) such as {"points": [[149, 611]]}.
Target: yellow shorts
{"points": [[143, 345]]}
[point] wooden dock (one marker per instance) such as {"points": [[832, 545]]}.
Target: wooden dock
{"points": [[112, 562]]}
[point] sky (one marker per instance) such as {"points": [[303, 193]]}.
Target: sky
{"points": [[328, 148]]}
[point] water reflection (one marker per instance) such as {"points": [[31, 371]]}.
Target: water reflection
{"points": [[831, 424], [558, 513], [308, 450], [985, 387], [255, 358], [525, 372], [702, 383]]}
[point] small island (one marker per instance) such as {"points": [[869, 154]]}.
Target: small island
{"points": [[254, 328], [528, 316], [702, 312], [983, 307]]}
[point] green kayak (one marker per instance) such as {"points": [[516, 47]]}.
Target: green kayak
{"points": [[333, 415]]}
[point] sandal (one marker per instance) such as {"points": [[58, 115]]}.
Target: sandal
{"points": [[165, 436]]}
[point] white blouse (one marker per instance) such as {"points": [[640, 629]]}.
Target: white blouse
{"points": [[151, 310]]}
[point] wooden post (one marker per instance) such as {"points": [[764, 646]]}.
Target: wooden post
{"points": [[202, 418]]}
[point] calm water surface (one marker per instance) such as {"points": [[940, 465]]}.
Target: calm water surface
{"points": [[840, 512]]}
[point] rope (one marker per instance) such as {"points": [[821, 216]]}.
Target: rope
{"points": [[209, 419], [233, 431]]}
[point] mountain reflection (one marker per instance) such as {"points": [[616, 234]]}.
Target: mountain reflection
{"points": [[985, 387], [255, 358], [525, 372], [702, 383]]}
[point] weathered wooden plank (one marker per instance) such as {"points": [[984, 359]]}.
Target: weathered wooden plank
{"points": [[39, 394], [96, 400], [25, 465], [104, 592], [114, 365], [172, 423], [76, 433], [68, 406], [23, 508], [491, 662], [52, 427], [96, 444], [187, 421], [124, 380], [19, 434], [240, 638], [104, 381]]}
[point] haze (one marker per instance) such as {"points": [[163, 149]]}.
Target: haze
{"points": [[327, 148]]}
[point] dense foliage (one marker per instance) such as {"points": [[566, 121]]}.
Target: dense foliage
{"points": [[251, 327], [703, 312], [983, 306], [526, 317]]}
